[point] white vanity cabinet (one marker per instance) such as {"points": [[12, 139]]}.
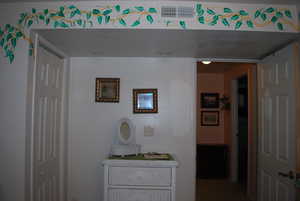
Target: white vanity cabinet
{"points": [[139, 180]]}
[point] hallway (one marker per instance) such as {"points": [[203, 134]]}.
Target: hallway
{"points": [[219, 190]]}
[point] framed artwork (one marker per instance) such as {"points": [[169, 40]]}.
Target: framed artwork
{"points": [[145, 101], [107, 90], [209, 100], [209, 118]]}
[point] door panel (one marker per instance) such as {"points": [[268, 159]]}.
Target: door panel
{"points": [[277, 146], [47, 118]]}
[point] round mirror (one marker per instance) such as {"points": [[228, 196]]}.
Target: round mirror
{"points": [[125, 131]]}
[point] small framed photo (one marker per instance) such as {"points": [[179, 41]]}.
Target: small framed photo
{"points": [[209, 100], [107, 90], [210, 118], [145, 101]]}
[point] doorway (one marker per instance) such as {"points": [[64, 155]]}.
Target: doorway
{"points": [[242, 131], [216, 165]]}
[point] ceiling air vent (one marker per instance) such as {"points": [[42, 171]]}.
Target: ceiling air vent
{"points": [[180, 12], [168, 11], [185, 12]]}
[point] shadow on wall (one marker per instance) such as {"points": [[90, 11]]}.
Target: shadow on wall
{"points": [[1, 193]]}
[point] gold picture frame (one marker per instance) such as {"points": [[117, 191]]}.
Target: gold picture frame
{"points": [[107, 90], [210, 118], [145, 101]]}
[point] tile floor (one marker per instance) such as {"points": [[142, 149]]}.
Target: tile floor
{"points": [[219, 190]]}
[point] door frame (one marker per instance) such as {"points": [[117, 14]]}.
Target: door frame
{"points": [[234, 131], [296, 52], [39, 41], [251, 72]]}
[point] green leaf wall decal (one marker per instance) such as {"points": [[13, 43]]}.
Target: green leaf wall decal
{"points": [[280, 26], [201, 12], [279, 14], [118, 8], [263, 16], [99, 19], [11, 57], [79, 22], [150, 19], [88, 15], [107, 12], [107, 19], [182, 24], [56, 24], [288, 14], [18, 34], [72, 7], [14, 42], [201, 20], [238, 24], [227, 10], [243, 13], [198, 7], [225, 22], [136, 23], [235, 17], [2, 42], [64, 25], [250, 24], [72, 14], [126, 11], [213, 23], [122, 22], [46, 11], [96, 11], [274, 19], [47, 21], [152, 10], [42, 17], [270, 10], [9, 36], [257, 14], [30, 22], [211, 12], [140, 8]]}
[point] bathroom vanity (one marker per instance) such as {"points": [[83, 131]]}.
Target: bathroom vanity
{"points": [[139, 180]]}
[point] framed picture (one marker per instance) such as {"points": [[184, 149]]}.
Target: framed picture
{"points": [[145, 101], [209, 100], [210, 118], [107, 90]]}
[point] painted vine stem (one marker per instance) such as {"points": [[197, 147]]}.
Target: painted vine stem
{"points": [[68, 17], [71, 16], [260, 18]]}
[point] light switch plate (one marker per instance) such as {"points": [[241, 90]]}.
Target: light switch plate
{"points": [[148, 131]]}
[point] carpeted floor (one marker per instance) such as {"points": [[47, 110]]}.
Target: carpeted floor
{"points": [[219, 190]]}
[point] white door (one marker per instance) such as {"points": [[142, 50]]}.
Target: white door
{"points": [[277, 129], [47, 118]]}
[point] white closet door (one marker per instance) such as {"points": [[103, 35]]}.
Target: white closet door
{"points": [[277, 127], [47, 118]]}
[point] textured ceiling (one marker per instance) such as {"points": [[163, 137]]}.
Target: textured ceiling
{"points": [[167, 43], [224, 1]]}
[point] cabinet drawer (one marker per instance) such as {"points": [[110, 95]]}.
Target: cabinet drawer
{"points": [[142, 176], [138, 195]]}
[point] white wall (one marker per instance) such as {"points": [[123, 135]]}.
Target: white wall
{"points": [[13, 87], [92, 125]]}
